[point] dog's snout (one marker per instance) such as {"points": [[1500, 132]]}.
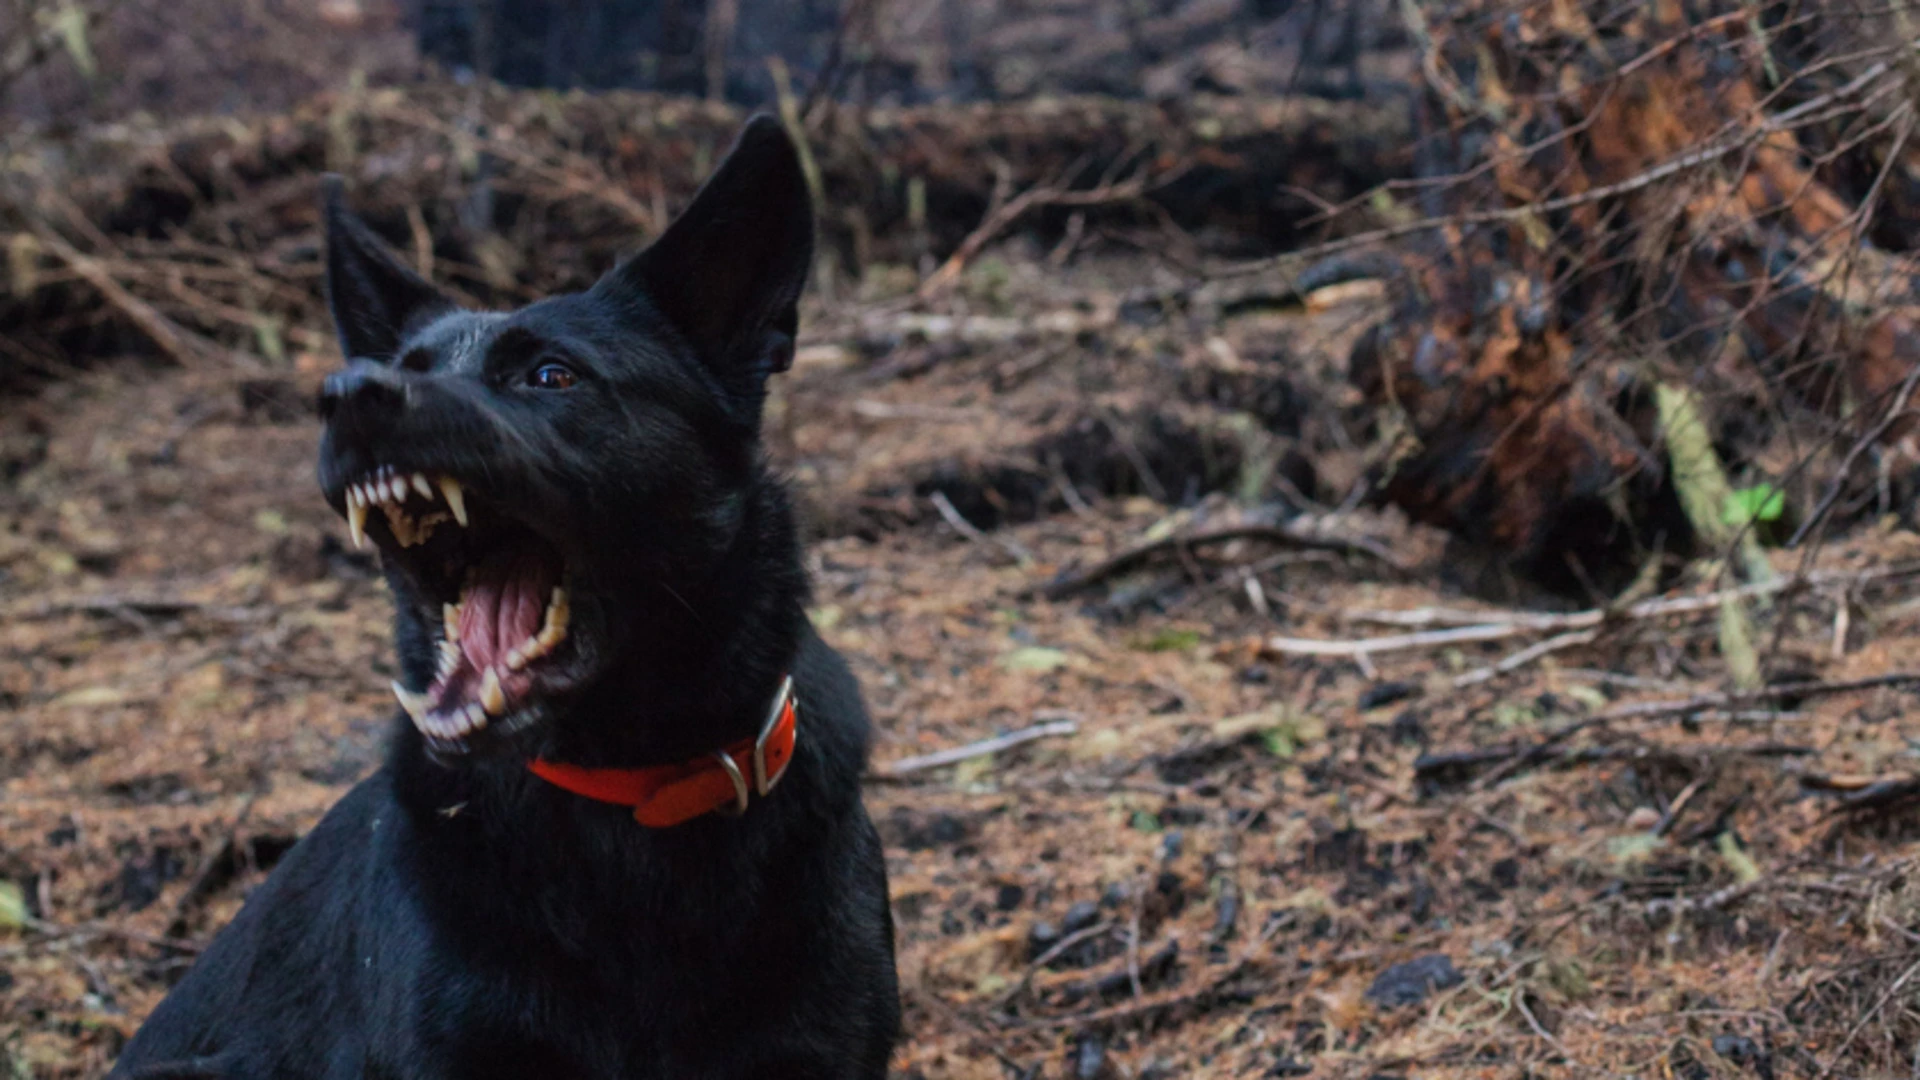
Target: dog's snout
{"points": [[363, 387]]}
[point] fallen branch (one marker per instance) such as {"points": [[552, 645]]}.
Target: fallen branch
{"points": [[951, 514], [1286, 535], [1496, 626], [957, 754], [187, 348], [1866, 793]]}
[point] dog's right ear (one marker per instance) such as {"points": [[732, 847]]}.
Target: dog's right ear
{"points": [[375, 299]]}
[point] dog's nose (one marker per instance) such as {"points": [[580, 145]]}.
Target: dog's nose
{"points": [[365, 387]]}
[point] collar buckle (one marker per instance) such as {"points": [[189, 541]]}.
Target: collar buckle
{"points": [[783, 703]]}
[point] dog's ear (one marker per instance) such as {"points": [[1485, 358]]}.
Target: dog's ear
{"points": [[728, 273], [374, 297]]}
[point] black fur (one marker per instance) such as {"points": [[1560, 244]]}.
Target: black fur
{"points": [[453, 916]]}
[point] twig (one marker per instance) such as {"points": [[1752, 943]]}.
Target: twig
{"points": [[206, 878], [1133, 939], [957, 754], [1392, 643], [1052, 953], [121, 605], [1128, 558], [1495, 626], [1713, 901], [1527, 656], [1894, 412], [972, 532], [1867, 1017], [1002, 217], [187, 348], [1645, 709], [1520, 1003]]}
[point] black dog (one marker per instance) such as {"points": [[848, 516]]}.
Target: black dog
{"points": [[576, 861]]}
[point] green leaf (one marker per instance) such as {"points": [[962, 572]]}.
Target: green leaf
{"points": [[1633, 848], [1761, 502], [70, 22], [1145, 821], [1744, 868], [13, 906], [1170, 639], [973, 771], [1035, 659]]}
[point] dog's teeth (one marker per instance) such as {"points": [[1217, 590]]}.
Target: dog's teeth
{"points": [[357, 522], [450, 616], [456, 499], [555, 630], [415, 704], [476, 717], [492, 697], [517, 657], [449, 658], [396, 490], [420, 485]]}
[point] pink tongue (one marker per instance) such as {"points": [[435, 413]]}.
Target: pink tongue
{"points": [[506, 604]]}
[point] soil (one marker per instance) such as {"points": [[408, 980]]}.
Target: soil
{"points": [[1240, 862]]}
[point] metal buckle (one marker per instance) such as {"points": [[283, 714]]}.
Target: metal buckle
{"points": [[761, 781], [739, 785]]}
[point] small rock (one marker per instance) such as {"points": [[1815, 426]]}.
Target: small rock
{"points": [[1080, 916], [1090, 1059], [1736, 1048], [1386, 693], [1043, 936], [1009, 897], [1411, 982], [1170, 844]]}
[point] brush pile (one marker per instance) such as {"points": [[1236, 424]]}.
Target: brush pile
{"points": [[1623, 211]]}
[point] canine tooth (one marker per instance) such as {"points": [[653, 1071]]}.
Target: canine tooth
{"points": [[456, 499], [420, 485], [415, 704], [357, 523], [491, 696], [450, 616], [555, 629]]}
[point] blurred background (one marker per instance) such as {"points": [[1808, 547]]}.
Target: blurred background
{"points": [[1379, 533]]}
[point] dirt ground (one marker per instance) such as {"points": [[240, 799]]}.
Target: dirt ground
{"points": [[1228, 860]]}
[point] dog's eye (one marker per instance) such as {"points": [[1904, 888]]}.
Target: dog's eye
{"points": [[552, 377]]}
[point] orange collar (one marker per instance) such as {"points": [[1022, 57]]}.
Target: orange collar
{"points": [[667, 795]]}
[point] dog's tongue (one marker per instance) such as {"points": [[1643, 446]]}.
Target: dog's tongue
{"points": [[506, 601]]}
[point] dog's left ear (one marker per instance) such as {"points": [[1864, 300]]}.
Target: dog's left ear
{"points": [[729, 271], [375, 299]]}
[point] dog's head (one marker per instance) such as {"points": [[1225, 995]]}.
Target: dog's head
{"points": [[539, 481]]}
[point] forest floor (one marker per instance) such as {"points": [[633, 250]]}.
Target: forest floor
{"points": [[1230, 859]]}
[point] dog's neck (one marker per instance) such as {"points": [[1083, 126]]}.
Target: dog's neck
{"points": [[701, 667]]}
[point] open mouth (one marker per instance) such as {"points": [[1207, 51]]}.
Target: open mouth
{"points": [[493, 588]]}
